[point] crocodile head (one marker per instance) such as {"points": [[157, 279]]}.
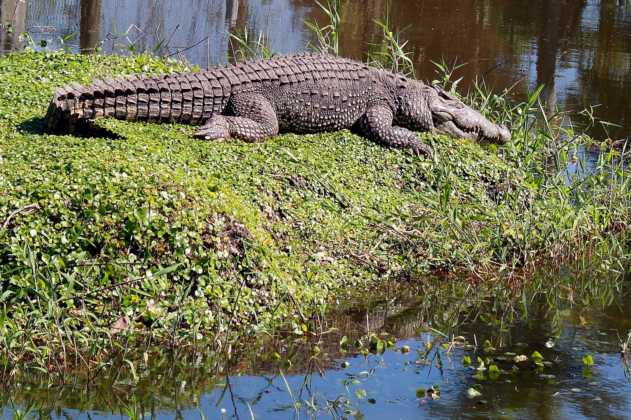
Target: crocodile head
{"points": [[452, 117], [443, 113]]}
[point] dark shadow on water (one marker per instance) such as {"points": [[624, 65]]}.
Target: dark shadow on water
{"points": [[85, 130]]}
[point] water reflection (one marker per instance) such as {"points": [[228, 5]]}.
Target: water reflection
{"points": [[184, 387], [579, 49], [90, 25], [12, 23]]}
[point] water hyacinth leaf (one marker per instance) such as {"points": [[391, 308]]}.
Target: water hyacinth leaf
{"points": [[344, 343], [360, 393], [473, 393], [494, 372], [537, 358], [428, 345], [377, 345]]}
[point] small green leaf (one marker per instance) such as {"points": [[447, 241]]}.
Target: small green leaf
{"points": [[466, 361], [428, 345], [377, 345], [536, 357], [344, 342], [421, 392], [360, 393], [588, 360], [494, 372]]}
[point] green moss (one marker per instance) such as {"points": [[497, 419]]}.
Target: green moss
{"points": [[163, 236]]}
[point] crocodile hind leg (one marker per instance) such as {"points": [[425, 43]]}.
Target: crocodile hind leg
{"points": [[251, 118], [376, 125]]}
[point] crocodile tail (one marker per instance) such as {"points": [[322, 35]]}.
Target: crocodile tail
{"points": [[55, 118], [62, 111], [180, 97], [74, 104]]}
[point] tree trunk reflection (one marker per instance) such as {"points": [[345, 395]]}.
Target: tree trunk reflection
{"points": [[12, 23], [90, 26]]}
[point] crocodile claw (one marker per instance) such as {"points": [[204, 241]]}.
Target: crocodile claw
{"points": [[422, 149], [216, 128]]}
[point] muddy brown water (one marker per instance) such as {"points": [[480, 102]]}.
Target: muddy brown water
{"points": [[579, 49]]}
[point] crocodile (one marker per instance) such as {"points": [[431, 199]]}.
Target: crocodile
{"points": [[302, 93]]}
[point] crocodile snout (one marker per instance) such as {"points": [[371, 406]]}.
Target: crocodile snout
{"points": [[454, 118]]}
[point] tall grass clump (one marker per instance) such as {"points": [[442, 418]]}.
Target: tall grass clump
{"points": [[581, 186], [391, 52], [328, 36], [244, 47]]}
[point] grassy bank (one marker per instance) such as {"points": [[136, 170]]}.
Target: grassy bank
{"points": [[159, 239]]}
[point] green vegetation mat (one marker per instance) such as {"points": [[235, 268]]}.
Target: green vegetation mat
{"points": [[157, 237]]}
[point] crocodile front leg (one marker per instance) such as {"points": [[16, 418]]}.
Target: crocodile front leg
{"points": [[252, 118], [376, 125]]}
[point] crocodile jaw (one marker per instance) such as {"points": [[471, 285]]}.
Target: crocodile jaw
{"points": [[454, 118]]}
